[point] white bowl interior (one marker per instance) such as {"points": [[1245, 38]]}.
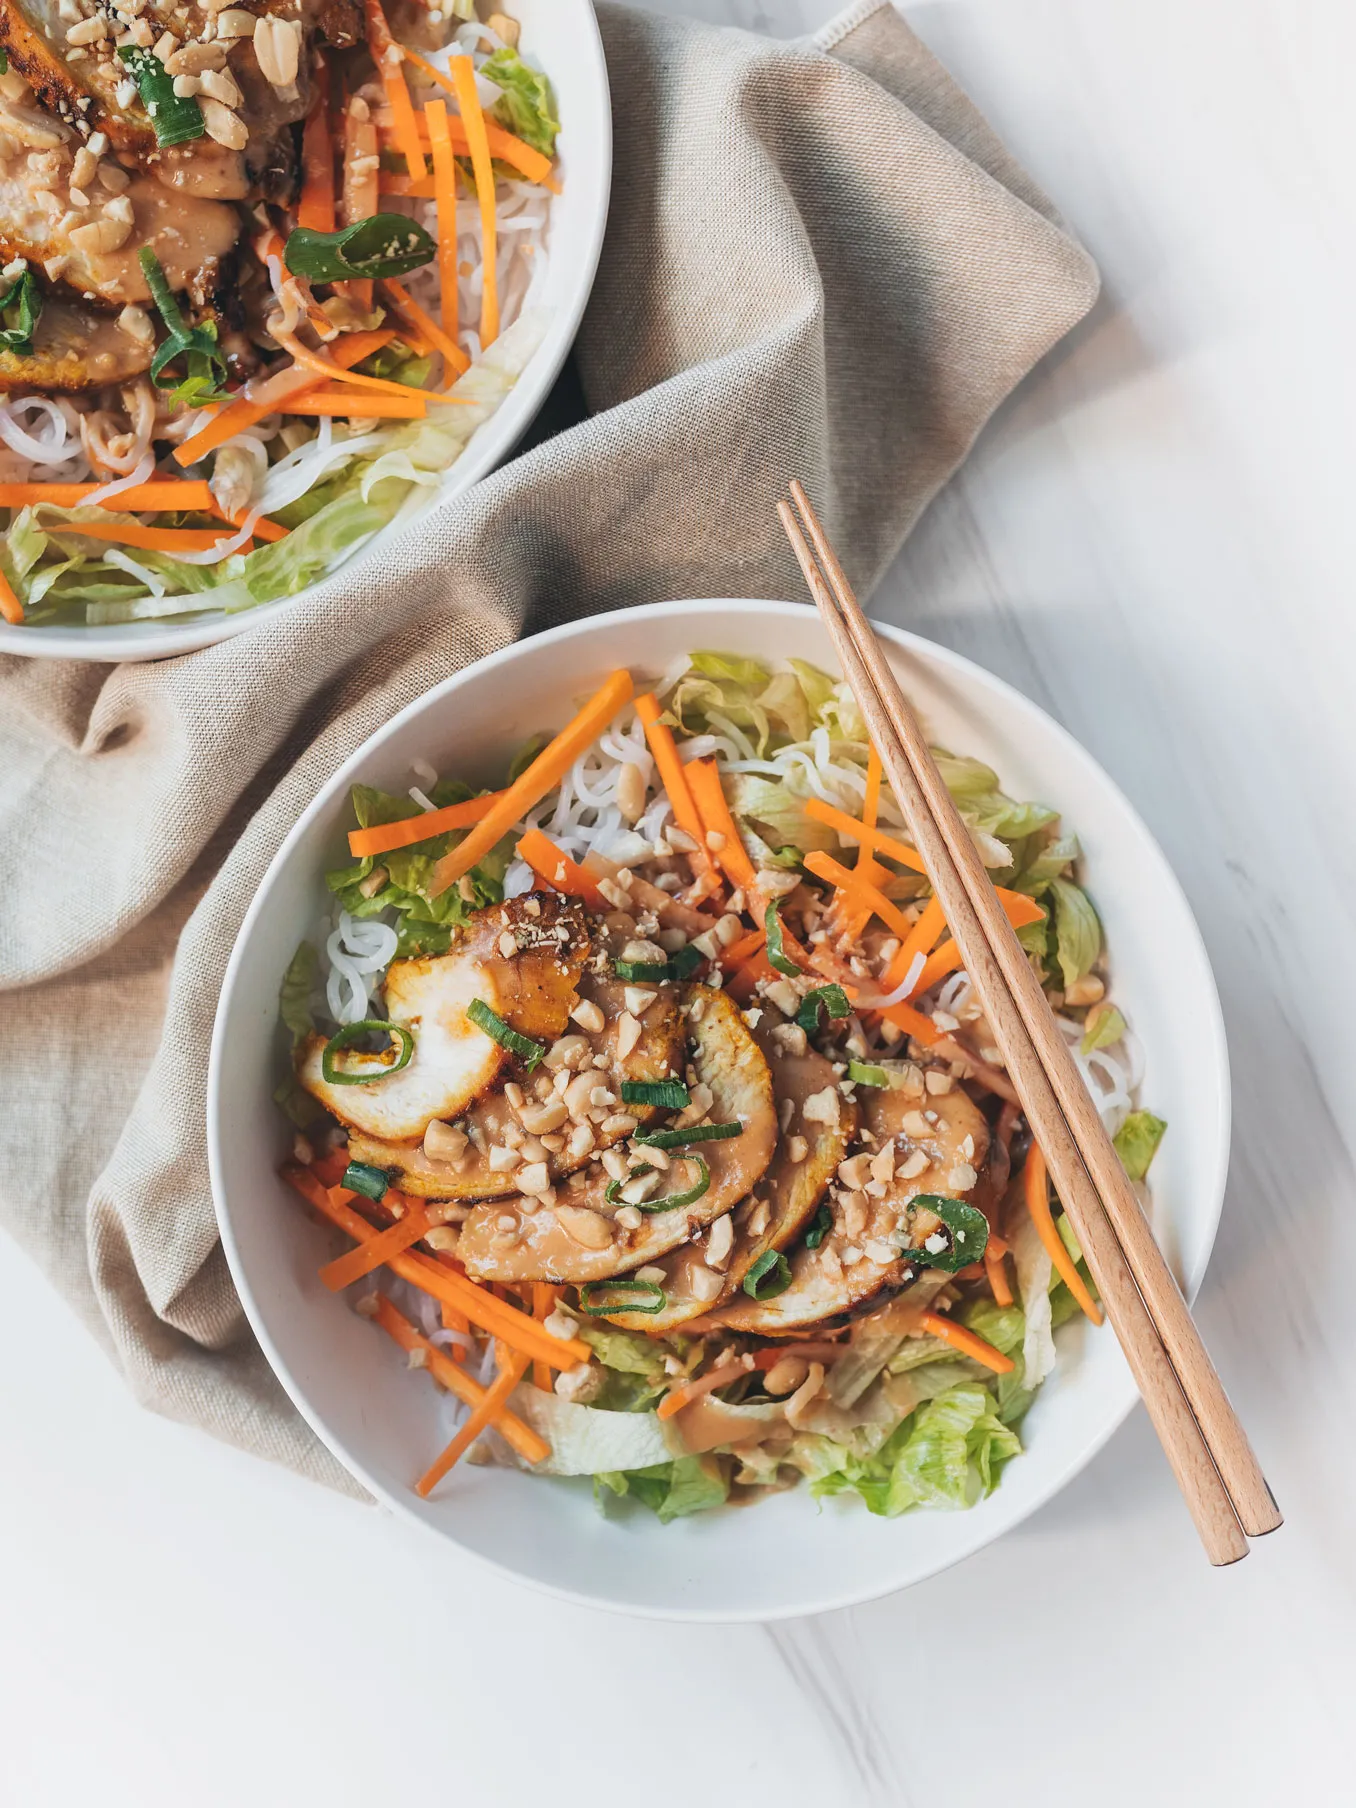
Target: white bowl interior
{"points": [[561, 36], [787, 1556]]}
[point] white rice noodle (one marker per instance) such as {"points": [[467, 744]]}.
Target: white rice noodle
{"points": [[141, 472], [154, 583], [50, 441], [357, 949], [905, 986], [1108, 1074]]}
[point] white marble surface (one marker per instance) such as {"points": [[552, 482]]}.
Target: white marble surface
{"points": [[1155, 540]]}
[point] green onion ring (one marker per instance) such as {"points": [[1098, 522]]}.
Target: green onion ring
{"points": [[679, 1139], [829, 1001], [527, 1051], [671, 1201], [771, 1263], [776, 947], [359, 1177], [348, 1035], [670, 1095], [650, 1289]]}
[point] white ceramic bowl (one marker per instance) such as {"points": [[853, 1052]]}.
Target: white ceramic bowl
{"points": [[786, 1556], [562, 37]]}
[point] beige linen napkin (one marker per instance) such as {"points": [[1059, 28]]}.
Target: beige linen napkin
{"points": [[819, 262]]}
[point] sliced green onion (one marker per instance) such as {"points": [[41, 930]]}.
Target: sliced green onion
{"points": [[527, 1051], [865, 1073], [176, 118], [671, 1201], [650, 1290], [966, 1242], [384, 244], [20, 308], [643, 972], [776, 946], [671, 1095], [360, 1178], [695, 1133], [768, 1276], [828, 1001], [823, 1224], [196, 345], [354, 1032], [686, 960]]}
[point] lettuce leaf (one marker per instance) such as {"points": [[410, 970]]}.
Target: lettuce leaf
{"points": [[1078, 933], [949, 1453], [687, 1485], [294, 997], [1137, 1141], [1103, 1029], [526, 106]]}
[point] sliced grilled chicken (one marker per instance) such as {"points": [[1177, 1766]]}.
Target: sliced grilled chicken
{"points": [[522, 959], [576, 1237], [546, 1111], [74, 348], [858, 1264], [89, 239], [700, 1274], [86, 84]]}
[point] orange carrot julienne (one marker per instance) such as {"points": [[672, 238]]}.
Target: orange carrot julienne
{"points": [[152, 539], [858, 889], [531, 785], [245, 410], [378, 385], [463, 73], [1036, 1192], [387, 837], [853, 917], [946, 957], [398, 1328], [332, 400], [673, 777], [744, 949], [389, 59], [445, 193], [509, 1376], [10, 606], [405, 304], [504, 145], [553, 865], [315, 205], [877, 839], [392, 1241], [678, 1397], [544, 1297], [443, 1283], [996, 1273], [703, 777], [160, 493], [966, 1342]]}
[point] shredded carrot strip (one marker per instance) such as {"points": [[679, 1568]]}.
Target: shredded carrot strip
{"points": [[263, 528], [673, 777], [387, 837], [404, 303], [966, 1342], [876, 839], [544, 1297], [931, 922], [153, 539], [541, 776], [10, 606], [946, 957], [379, 385], [242, 413], [996, 1273], [463, 73], [338, 401], [315, 205], [853, 917], [445, 193], [442, 1283], [510, 1374], [393, 1241], [389, 59], [1036, 1192], [856, 888], [161, 493], [553, 865], [703, 777], [743, 950], [525, 158], [520, 1437], [678, 1397]]}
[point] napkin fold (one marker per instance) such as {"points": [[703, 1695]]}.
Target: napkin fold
{"points": [[820, 263]]}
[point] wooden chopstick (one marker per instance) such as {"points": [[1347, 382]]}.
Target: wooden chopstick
{"points": [[1205, 1444]]}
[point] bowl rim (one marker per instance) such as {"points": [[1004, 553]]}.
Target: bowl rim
{"points": [[492, 445], [1118, 1407]]}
